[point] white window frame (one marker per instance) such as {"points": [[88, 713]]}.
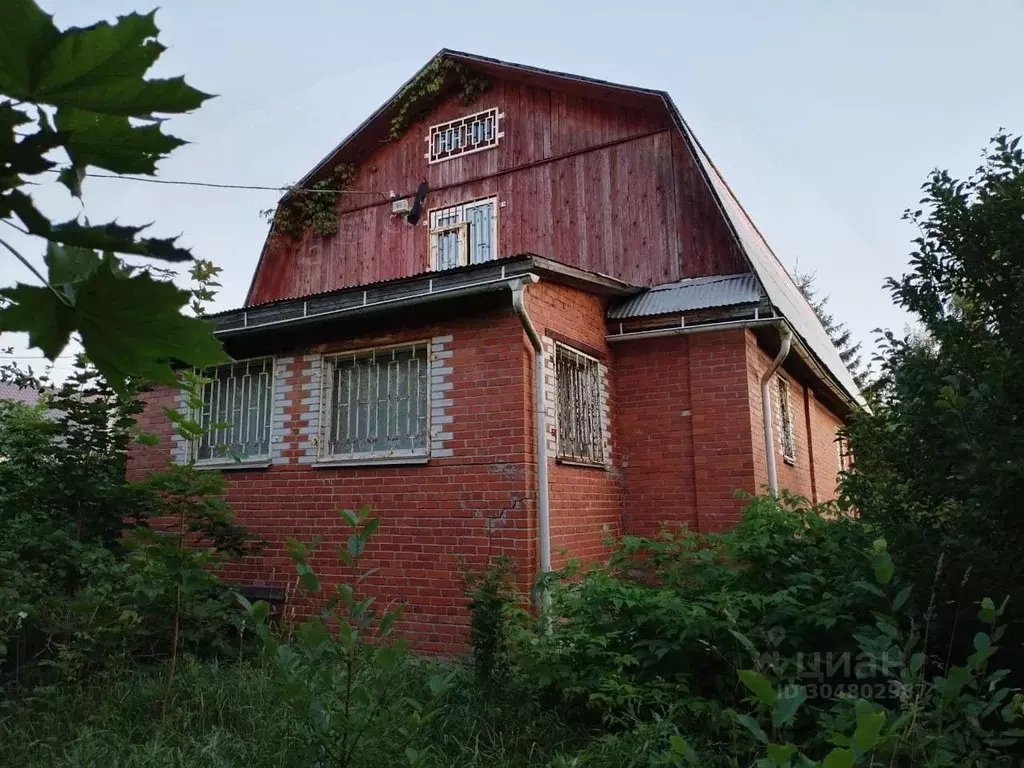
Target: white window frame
{"points": [[327, 399], [462, 227], [462, 126], [560, 451], [197, 416], [787, 424]]}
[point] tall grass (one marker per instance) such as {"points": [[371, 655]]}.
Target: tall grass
{"points": [[222, 715]]}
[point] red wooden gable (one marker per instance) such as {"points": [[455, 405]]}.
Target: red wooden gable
{"points": [[589, 174]]}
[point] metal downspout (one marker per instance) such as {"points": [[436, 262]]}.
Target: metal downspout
{"points": [[543, 510], [786, 337]]}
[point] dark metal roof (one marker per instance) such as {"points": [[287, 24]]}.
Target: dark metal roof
{"points": [[690, 294]]}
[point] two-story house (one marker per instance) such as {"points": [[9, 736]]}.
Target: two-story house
{"points": [[527, 313]]}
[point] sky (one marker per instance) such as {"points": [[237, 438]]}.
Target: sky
{"points": [[825, 117]]}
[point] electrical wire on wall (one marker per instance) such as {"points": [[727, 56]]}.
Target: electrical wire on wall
{"points": [[219, 185]]}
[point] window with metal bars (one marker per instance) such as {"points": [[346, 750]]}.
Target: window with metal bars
{"points": [[236, 411], [464, 135], [376, 403], [786, 427], [842, 453], [464, 234], [578, 391]]}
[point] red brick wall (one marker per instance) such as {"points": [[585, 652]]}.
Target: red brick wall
{"points": [[478, 501], [823, 427], [722, 439], [685, 432], [655, 433]]}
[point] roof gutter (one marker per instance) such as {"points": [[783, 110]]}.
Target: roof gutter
{"points": [[424, 297], [543, 510], [682, 330]]}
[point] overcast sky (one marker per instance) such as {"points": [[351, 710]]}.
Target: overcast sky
{"points": [[824, 117]]}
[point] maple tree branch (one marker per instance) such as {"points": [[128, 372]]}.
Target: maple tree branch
{"points": [[33, 270]]}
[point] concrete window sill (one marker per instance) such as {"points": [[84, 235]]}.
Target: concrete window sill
{"points": [[385, 461], [583, 464], [233, 465]]}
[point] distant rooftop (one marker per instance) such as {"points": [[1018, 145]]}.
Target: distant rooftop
{"points": [[16, 394]]}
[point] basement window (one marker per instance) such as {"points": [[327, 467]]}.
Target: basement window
{"points": [[578, 393], [236, 411], [464, 234], [376, 404], [464, 135], [787, 429]]}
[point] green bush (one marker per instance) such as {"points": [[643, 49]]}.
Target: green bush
{"points": [[798, 611], [493, 606], [95, 569], [940, 459], [664, 624]]}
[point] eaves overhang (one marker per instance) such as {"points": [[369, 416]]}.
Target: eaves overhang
{"points": [[393, 295]]}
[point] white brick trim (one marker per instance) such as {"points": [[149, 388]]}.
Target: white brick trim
{"points": [[179, 445], [606, 415], [440, 420], [311, 400], [280, 439], [550, 397]]}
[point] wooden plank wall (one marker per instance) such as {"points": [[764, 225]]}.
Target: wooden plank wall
{"points": [[601, 186]]}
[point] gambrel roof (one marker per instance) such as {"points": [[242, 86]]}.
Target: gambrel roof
{"points": [[774, 280]]}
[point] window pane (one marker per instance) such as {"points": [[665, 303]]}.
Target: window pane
{"points": [[480, 218], [386, 390], [578, 388], [236, 410], [448, 249]]}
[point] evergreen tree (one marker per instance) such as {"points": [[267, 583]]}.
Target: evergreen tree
{"points": [[839, 332]]}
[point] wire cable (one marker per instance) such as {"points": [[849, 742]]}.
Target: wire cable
{"points": [[217, 185]]}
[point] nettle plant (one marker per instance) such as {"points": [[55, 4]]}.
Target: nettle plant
{"points": [[341, 670]]}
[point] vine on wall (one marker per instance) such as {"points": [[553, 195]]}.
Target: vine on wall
{"points": [[315, 207], [419, 96]]}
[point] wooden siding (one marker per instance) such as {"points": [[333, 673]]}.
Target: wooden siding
{"points": [[605, 187]]}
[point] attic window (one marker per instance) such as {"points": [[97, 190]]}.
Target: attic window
{"points": [[472, 133]]}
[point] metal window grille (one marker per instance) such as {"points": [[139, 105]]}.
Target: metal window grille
{"points": [[464, 135], [788, 434], [578, 388], [236, 410], [464, 234], [377, 403]]}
